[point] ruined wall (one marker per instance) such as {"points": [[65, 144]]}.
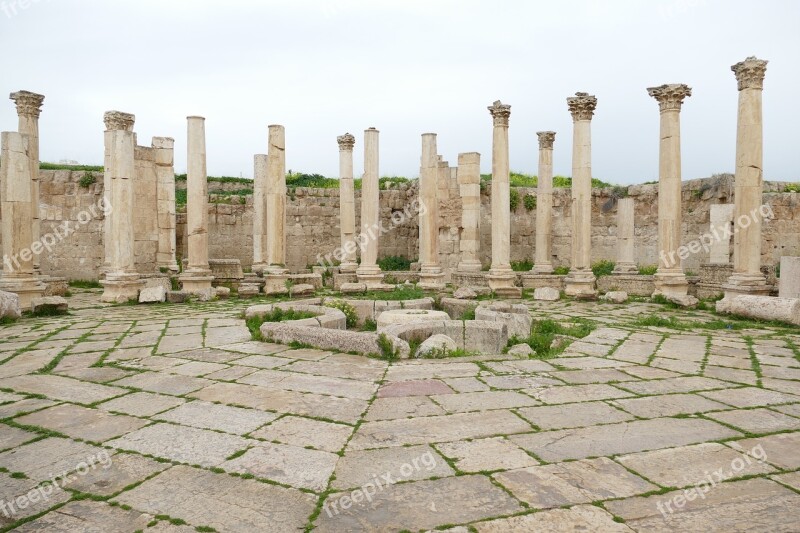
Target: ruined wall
{"points": [[313, 224]]}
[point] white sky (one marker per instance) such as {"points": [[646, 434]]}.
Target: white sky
{"points": [[406, 67]]}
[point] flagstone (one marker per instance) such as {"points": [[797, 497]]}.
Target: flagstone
{"points": [[79, 422], [314, 384], [668, 405], [479, 455], [750, 397], [759, 420], [206, 415], [417, 387], [782, 450], [389, 465], [173, 384], [291, 465], [88, 515], [402, 407], [62, 388], [573, 415], [120, 471], [481, 401], [51, 457], [305, 432], [141, 404], [578, 518]]}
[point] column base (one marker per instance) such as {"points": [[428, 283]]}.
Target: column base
{"points": [[277, 270], [371, 276], [542, 268], [746, 284], [27, 288], [431, 278], [258, 268], [348, 268], [502, 282], [580, 284], [121, 287], [670, 284], [470, 265], [275, 283], [196, 281]]}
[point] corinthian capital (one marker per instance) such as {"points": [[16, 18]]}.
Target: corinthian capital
{"points": [[117, 120], [750, 73], [28, 103], [346, 142], [670, 95], [582, 106], [500, 113], [546, 139]]}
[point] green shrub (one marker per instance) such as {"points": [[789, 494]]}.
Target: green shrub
{"points": [[87, 180], [603, 268], [529, 201], [84, 284], [792, 187], [401, 292], [387, 348], [521, 266], [394, 262], [469, 314], [369, 325], [348, 310], [543, 333], [562, 270], [58, 166], [513, 199], [648, 270]]}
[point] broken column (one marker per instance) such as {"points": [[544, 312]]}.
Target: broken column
{"points": [[544, 205], [122, 282], [18, 245], [501, 278], [368, 271], [29, 107], [431, 275], [747, 277], [197, 278], [720, 216], [347, 204], [581, 281], [259, 213], [164, 155], [469, 183], [670, 280], [625, 237]]}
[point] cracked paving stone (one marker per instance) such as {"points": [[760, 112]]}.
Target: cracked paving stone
{"points": [[164, 383], [83, 423], [402, 407], [750, 397], [759, 420], [572, 520], [119, 471], [482, 401], [668, 405], [291, 465], [782, 450], [14, 491], [89, 516], [207, 415], [481, 455], [141, 403], [61, 388], [304, 432], [409, 463], [573, 415], [46, 458]]}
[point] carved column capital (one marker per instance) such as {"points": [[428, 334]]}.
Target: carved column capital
{"points": [[546, 139], [28, 103], [750, 73], [117, 120], [582, 106], [670, 96], [346, 142], [500, 113]]}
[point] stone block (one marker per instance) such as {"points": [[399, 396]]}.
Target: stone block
{"points": [[177, 297], [436, 346], [9, 305], [616, 297], [789, 282], [248, 290], [301, 289], [52, 305], [155, 294], [465, 293], [547, 294], [222, 292]]}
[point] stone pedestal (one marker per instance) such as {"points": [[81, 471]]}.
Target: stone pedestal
{"points": [[29, 107], [164, 154], [543, 263], [537, 281], [430, 273], [276, 201], [789, 283], [276, 283], [625, 237], [197, 278], [368, 271], [581, 281], [347, 204], [747, 277], [501, 277], [469, 185], [670, 279], [720, 216], [15, 192]]}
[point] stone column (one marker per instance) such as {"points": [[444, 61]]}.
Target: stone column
{"points": [[431, 275], [164, 155], [197, 278], [29, 106], [122, 282], [581, 281], [625, 237], [720, 216], [260, 162], [17, 223], [544, 205], [747, 277], [368, 271], [469, 183], [276, 200], [669, 279], [347, 204], [501, 277]]}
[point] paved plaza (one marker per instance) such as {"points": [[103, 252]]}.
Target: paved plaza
{"points": [[170, 418]]}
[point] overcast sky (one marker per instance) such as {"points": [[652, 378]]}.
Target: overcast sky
{"points": [[406, 67]]}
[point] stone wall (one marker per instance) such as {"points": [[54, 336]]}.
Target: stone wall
{"points": [[313, 223]]}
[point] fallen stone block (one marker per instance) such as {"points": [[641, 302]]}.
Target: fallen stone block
{"points": [[547, 294], [223, 293], [248, 290], [49, 305], [9, 305], [615, 297], [684, 300], [150, 295], [521, 350], [436, 346], [177, 297], [762, 308], [301, 289], [465, 293]]}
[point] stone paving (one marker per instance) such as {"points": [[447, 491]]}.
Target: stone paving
{"points": [[170, 419]]}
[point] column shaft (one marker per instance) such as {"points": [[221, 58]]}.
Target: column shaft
{"points": [[625, 237], [432, 174], [469, 183], [164, 153], [368, 271], [260, 212], [347, 204], [276, 200], [544, 205]]}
